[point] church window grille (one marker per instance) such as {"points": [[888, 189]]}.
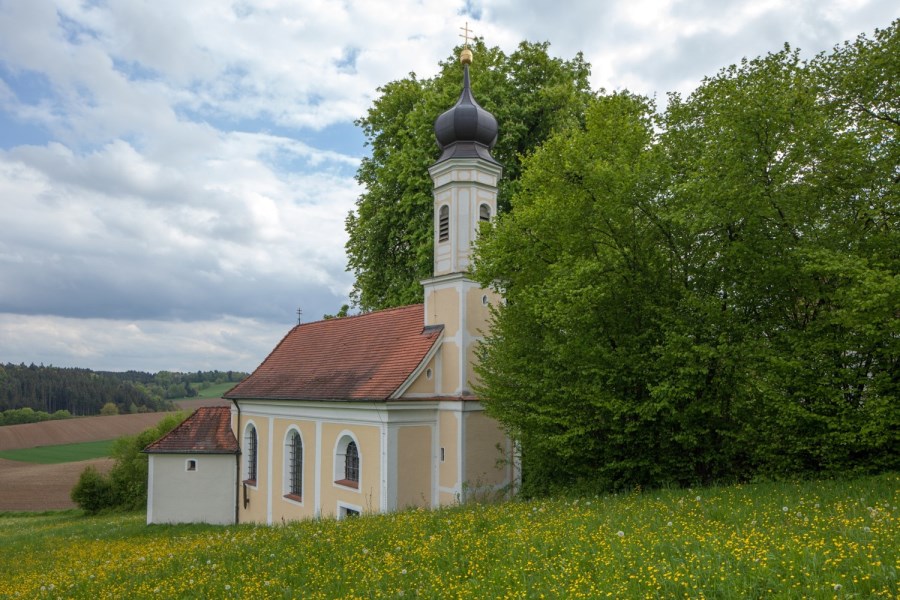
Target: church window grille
{"points": [[251, 443], [295, 462], [351, 463]]}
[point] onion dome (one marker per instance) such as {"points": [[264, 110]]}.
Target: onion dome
{"points": [[466, 130]]}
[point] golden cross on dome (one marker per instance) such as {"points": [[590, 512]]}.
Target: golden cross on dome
{"points": [[465, 34], [465, 57]]}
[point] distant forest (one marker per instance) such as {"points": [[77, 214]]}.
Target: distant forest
{"points": [[62, 392]]}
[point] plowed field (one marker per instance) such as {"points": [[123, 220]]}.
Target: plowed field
{"points": [[35, 487]]}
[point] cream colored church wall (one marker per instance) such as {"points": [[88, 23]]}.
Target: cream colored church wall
{"points": [[448, 471], [478, 313], [413, 466], [257, 509], [443, 309], [483, 434], [449, 368], [284, 508], [422, 384], [368, 495]]}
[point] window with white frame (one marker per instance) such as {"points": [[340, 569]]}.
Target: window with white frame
{"points": [[293, 461], [347, 463], [348, 510], [484, 213], [251, 444]]}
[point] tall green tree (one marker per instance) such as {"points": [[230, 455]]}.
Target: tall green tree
{"points": [[714, 296], [532, 95]]}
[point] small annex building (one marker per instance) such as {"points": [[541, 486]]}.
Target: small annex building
{"points": [[199, 455], [374, 412]]}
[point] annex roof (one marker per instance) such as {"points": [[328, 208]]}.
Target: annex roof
{"points": [[207, 431], [364, 357]]}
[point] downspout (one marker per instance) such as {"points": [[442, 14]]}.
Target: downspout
{"points": [[237, 466]]}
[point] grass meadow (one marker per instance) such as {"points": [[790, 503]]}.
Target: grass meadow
{"points": [[63, 453], [831, 539], [215, 390]]}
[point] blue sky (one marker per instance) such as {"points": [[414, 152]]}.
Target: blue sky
{"points": [[174, 176]]}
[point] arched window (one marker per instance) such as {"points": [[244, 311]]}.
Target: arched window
{"points": [[347, 461], [351, 463], [250, 453], [444, 224], [294, 463], [484, 213]]}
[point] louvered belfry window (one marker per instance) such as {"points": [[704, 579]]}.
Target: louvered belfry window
{"points": [[444, 224]]}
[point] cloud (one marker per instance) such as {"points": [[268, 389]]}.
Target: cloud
{"points": [[178, 171], [228, 343], [113, 233]]}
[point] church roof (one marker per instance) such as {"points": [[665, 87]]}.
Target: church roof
{"points": [[364, 357], [207, 431]]}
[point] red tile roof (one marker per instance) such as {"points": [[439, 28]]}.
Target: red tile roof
{"points": [[207, 431], [365, 357]]}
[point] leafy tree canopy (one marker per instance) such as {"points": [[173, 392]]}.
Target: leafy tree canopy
{"points": [[532, 95], [711, 292]]}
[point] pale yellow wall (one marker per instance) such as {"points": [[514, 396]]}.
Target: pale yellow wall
{"points": [[368, 496], [477, 313], [482, 436], [413, 466], [422, 384], [257, 510], [283, 508], [443, 309], [472, 377], [449, 367], [448, 439]]}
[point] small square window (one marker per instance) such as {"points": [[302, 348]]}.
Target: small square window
{"points": [[190, 465]]}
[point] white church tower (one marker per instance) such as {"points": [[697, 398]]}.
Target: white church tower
{"points": [[465, 180]]}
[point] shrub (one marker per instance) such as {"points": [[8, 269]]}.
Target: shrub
{"points": [[93, 492]]}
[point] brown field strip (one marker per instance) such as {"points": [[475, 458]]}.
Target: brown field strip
{"points": [[33, 487], [87, 429], [73, 431]]}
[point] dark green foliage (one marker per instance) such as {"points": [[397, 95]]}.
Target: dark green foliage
{"points": [[340, 314], [712, 295], [80, 392], [18, 416], [93, 492], [531, 94], [125, 488]]}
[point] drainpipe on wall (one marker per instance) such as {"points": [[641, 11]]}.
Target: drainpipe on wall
{"points": [[237, 467]]}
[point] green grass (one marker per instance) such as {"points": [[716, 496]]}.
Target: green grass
{"points": [[832, 539], [214, 391], [63, 453]]}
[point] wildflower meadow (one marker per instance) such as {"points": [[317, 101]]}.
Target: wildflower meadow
{"points": [[831, 539]]}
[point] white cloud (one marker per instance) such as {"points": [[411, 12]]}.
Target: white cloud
{"points": [[154, 184], [103, 344]]}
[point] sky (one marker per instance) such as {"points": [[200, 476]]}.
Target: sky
{"points": [[175, 176]]}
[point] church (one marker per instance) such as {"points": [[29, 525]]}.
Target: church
{"points": [[364, 414]]}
